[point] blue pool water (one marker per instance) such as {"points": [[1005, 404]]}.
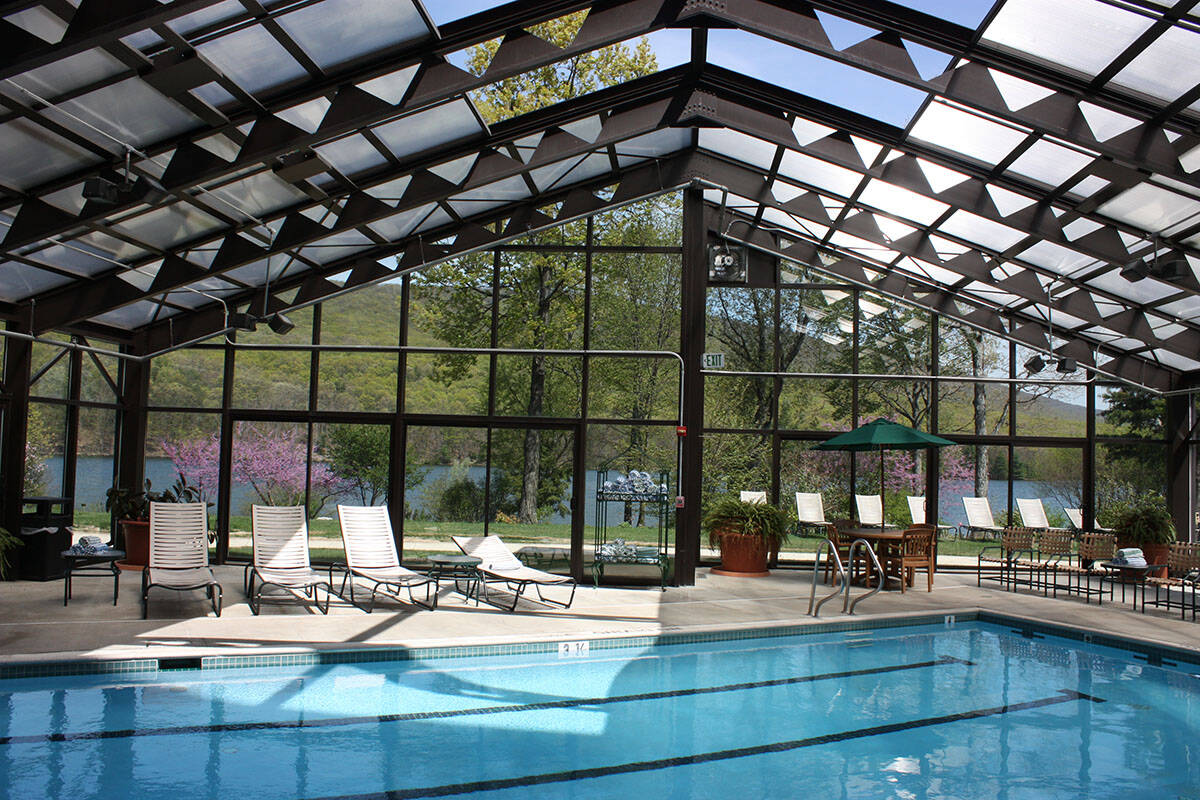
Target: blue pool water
{"points": [[972, 710]]}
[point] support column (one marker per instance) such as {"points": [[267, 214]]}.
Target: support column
{"points": [[1089, 457], [1179, 464], [693, 277], [131, 433], [17, 370]]}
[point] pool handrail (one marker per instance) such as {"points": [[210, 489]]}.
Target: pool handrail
{"points": [[839, 582], [847, 605]]}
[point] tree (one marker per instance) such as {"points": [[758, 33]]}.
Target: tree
{"points": [[540, 292], [359, 455]]}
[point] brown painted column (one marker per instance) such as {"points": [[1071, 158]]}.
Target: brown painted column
{"points": [[692, 297], [131, 432], [17, 364], [1179, 464]]}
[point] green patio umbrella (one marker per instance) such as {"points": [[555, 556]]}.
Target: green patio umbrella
{"points": [[882, 435]]}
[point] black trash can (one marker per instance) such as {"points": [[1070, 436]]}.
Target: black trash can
{"points": [[45, 533]]}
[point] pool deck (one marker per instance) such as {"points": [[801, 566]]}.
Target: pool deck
{"points": [[37, 627]]}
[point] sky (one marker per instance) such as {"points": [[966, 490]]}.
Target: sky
{"points": [[791, 68]]}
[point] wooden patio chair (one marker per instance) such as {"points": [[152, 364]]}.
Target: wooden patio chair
{"points": [[1013, 543], [914, 552], [1054, 548], [1183, 574], [1093, 548]]}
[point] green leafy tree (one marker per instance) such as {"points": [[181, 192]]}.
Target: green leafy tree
{"points": [[359, 454]]}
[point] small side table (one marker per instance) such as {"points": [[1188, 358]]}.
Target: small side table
{"points": [[92, 565], [1128, 575], [463, 569]]}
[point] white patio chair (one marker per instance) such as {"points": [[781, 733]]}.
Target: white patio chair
{"points": [[1033, 513], [1075, 518], [499, 565], [916, 509], [810, 509], [179, 553], [280, 535], [757, 498], [979, 517], [371, 555], [870, 509]]}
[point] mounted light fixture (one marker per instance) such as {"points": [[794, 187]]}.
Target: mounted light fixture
{"points": [[280, 324], [1172, 266], [1035, 365], [241, 321], [100, 190], [1067, 365]]}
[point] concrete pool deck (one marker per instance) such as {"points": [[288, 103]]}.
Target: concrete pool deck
{"points": [[37, 627]]}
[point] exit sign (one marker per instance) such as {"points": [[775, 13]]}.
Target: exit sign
{"points": [[714, 361]]}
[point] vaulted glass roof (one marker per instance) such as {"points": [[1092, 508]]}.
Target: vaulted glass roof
{"points": [[1029, 167]]}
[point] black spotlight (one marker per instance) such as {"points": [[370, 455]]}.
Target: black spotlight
{"points": [[100, 190], [279, 323], [243, 322], [1067, 365], [1035, 365]]}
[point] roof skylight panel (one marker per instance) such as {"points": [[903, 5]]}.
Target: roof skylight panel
{"points": [[659, 143], [352, 154], [333, 32], [1056, 258], [34, 155], [1085, 35], [981, 231], [1049, 162], [169, 226], [1187, 308], [991, 294], [398, 226], [968, 133], [133, 315], [433, 127], [902, 202], [337, 246], [1167, 67], [749, 150], [67, 74], [1175, 361], [819, 173], [129, 113], [1148, 290], [1151, 207], [226, 11], [21, 281], [252, 58]]}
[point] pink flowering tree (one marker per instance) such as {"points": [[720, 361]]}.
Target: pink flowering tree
{"points": [[272, 461]]}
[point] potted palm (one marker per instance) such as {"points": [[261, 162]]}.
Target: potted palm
{"points": [[745, 534], [132, 512], [1145, 523]]}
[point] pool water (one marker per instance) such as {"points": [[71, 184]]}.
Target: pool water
{"points": [[973, 710]]}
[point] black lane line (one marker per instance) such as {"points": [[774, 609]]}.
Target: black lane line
{"points": [[1064, 696], [466, 712]]}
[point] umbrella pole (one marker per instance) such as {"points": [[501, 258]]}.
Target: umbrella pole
{"points": [[882, 499]]}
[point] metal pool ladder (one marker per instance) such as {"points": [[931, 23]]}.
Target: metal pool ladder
{"points": [[842, 584]]}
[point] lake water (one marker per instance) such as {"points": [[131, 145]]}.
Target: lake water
{"points": [[94, 477]]}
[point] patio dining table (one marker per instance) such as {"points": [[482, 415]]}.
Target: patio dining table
{"points": [[884, 541]]}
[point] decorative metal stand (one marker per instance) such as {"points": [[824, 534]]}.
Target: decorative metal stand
{"points": [[655, 555]]}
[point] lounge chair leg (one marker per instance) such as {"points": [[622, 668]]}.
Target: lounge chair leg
{"points": [[215, 592]]}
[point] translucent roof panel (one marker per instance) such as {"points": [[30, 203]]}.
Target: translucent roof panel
{"points": [[436, 126], [1167, 68], [352, 154], [61, 77], [1049, 162], [1085, 35], [981, 231], [256, 195], [1056, 258], [133, 315], [169, 226], [214, 15], [20, 281], [364, 26], [659, 143], [749, 150], [902, 202], [33, 155], [972, 134], [130, 111], [822, 174], [813, 75], [252, 58], [1151, 207], [1147, 290]]}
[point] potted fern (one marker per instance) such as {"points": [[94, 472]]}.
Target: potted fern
{"points": [[745, 534], [1145, 523], [8, 546]]}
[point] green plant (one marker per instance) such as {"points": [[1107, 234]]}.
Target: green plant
{"points": [[8, 542], [127, 504], [731, 515], [1144, 520]]}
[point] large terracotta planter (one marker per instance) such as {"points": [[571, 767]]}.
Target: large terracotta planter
{"points": [[1154, 553], [742, 555], [136, 535]]}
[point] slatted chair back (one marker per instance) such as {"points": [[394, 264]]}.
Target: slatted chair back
{"points": [[491, 550], [280, 535], [1075, 518], [916, 509], [1183, 557], [979, 512], [1097, 546], [1053, 544], [178, 535], [367, 537], [757, 498], [1033, 513], [1014, 540], [918, 543], [810, 507], [870, 508]]}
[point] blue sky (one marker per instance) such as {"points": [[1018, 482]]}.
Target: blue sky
{"points": [[794, 69]]}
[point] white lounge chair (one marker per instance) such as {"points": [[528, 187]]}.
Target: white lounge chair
{"points": [[280, 535], [979, 517], [1075, 518], [916, 509], [870, 509], [757, 498], [179, 553], [499, 565], [371, 555], [810, 509]]}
